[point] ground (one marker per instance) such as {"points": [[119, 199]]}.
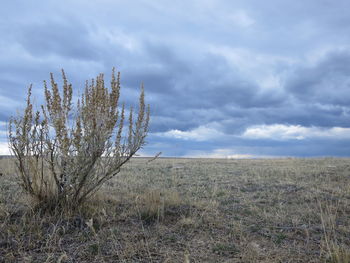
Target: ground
{"points": [[191, 210]]}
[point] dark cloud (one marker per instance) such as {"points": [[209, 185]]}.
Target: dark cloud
{"points": [[327, 82], [65, 38]]}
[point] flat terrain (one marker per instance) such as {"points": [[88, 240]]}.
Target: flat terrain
{"points": [[191, 210]]}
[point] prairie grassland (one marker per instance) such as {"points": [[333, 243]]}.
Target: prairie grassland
{"points": [[191, 210]]}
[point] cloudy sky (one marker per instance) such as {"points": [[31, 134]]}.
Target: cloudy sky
{"points": [[244, 78]]}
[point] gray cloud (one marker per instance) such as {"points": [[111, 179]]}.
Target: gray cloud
{"points": [[67, 39], [327, 82], [207, 66]]}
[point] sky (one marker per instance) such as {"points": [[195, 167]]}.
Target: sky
{"points": [[231, 79]]}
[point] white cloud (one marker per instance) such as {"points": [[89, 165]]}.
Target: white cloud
{"points": [[4, 149], [3, 129], [262, 68], [249, 58], [218, 153], [118, 37], [241, 18], [294, 132], [201, 133]]}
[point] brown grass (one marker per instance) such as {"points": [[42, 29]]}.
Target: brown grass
{"points": [[191, 210]]}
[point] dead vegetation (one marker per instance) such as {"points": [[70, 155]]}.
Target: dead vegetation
{"points": [[66, 151], [191, 210]]}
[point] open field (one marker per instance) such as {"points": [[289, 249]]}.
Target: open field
{"points": [[191, 210]]}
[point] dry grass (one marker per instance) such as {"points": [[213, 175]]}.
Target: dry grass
{"points": [[191, 210]]}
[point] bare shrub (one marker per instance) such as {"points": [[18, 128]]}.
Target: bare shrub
{"points": [[66, 152]]}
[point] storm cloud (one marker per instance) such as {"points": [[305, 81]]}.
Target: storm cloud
{"points": [[244, 79]]}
